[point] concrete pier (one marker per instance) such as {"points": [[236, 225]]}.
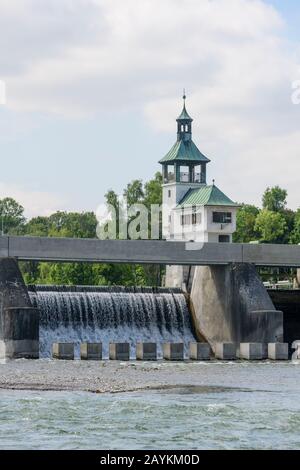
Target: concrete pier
{"points": [[20, 331], [278, 351], [200, 351], [91, 351], [173, 351], [251, 351], [225, 351], [231, 305], [146, 351], [19, 321], [119, 351], [63, 351]]}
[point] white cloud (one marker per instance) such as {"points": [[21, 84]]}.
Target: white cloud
{"points": [[34, 202], [76, 58]]}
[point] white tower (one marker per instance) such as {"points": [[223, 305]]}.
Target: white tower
{"points": [[192, 210]]}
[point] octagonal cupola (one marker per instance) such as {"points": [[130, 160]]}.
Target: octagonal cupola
{"points": [[184, 163]]}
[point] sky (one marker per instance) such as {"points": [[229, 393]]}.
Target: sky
{"points": [[93, 89]]}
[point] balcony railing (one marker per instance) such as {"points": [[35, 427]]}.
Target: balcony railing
{"points": [[198, 178], [184, 177]]}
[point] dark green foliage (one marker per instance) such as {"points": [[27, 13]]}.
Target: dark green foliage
{"points": [[274, 199], [83, 225], [11, 216], [245, 224]]}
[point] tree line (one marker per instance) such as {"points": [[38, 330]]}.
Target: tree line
{"points": [[81, 225], [273, 223]]}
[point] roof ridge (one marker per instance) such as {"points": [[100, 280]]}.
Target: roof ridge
{"points": [[184, 196], [206, 195]]}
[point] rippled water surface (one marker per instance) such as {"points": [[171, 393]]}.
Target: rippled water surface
{"points": [[191, 417]]}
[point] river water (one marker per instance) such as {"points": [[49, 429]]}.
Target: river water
{"points": [[243, 407]]}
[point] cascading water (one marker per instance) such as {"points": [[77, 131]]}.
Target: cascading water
{"points": [[104, 314]]}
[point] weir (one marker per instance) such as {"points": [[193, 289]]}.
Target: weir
{"points": [[94, 314]]}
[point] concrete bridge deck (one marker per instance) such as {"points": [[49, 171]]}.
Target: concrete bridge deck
{"points": [[147, 251]]}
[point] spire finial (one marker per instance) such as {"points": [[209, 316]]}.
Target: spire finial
{"points": [[184, 96], [213, 182]]}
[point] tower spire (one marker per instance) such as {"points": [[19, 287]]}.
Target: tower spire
{"points": [[184, 123]]}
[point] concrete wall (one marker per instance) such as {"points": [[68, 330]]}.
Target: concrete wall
{"points": [[19, 321], [231, 304], [289, 302], [175, 276]]}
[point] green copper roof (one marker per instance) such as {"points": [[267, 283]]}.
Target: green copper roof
{"points": [[206, 196], [184, 116], [185, 151]]}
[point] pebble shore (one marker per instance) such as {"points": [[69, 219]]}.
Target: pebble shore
{"points": [[116, 376]]}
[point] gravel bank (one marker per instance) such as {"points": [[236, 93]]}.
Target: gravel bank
{"points": [[115, 376]]}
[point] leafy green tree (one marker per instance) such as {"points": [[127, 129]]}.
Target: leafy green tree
{"points": [[37, 226], [270, 225], [70, 274], [116, 210], [61, 224], [11, 216], [289, 217], [153, 190], [123, 274], [147, 194], [31, 272], [274, 199], [153, 195], [112, 198], [72, 224], [245, 224], [295, 235], [134, 192]]}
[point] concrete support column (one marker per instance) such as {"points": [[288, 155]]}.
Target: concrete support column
{"points": [[19, 321], [174, 276], [231, 305]]}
